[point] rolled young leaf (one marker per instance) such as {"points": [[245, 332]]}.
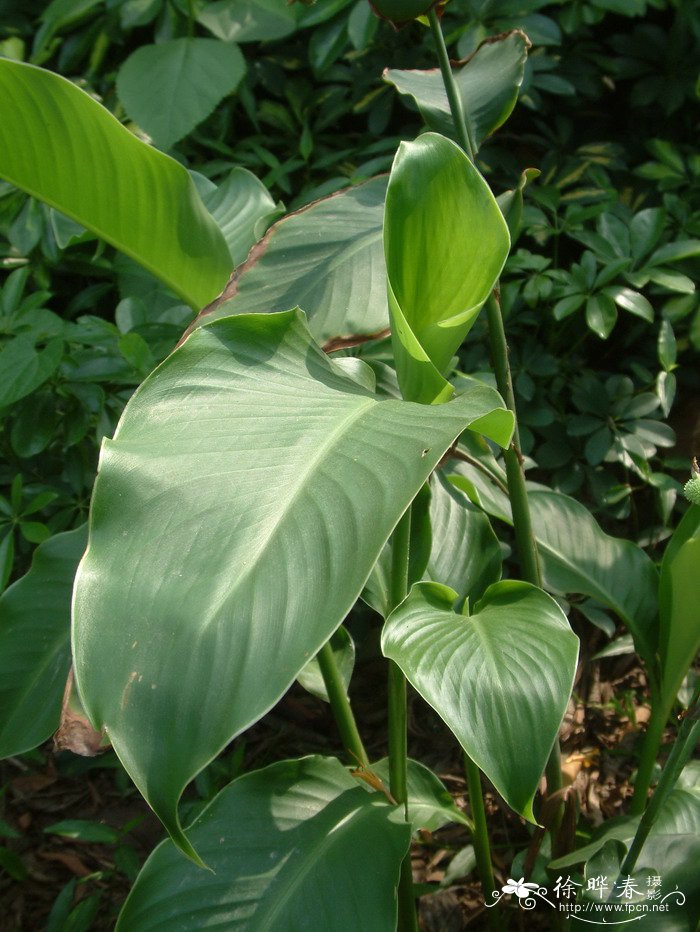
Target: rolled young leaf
{"points": [[61, 146], [445, 243], [500, 678], [248, 491]]}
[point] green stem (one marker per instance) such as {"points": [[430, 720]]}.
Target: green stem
{"points": [[398, 740], [453, 96], [686, 740], [648, 755], [522, 522], [340, 704], [480, 837]]}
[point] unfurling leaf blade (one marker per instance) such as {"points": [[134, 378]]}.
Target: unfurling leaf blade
{"points": [[445, 243]]}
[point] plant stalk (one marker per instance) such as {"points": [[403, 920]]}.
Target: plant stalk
{"points": [[448, 79], [649, 753], [480, 836], [684, 745], [340, 704], [397, 712]]}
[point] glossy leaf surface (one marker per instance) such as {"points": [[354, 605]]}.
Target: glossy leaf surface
{"points": [[500, 678], [248, 20], [170, 87], [488, 84], [61, 146], [249, 489], [445, 243], [327, 259], [297, 842], [35, 643]]}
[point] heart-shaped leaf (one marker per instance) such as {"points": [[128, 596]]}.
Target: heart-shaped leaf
{"points": [[445, 243], [35, 643], [288, 845], [249, 489], [500, 678], [60, 145]]}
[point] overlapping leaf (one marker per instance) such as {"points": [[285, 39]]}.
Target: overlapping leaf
{"points": [[500, 678], [35, 643], [297, 840], [60, 145], [246, 495], [327, 259], [488, 84], [445, 243], [577, 556]]}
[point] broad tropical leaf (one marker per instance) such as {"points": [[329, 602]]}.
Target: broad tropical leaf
{"points": [[61, 146], [500, 678], [170, 87], [35, 643], [249, 489], [488, 83], [327, 259], [295, 844], [445, 243]]}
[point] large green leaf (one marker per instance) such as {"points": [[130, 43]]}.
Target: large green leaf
{"points": [[326, 258], [488, 84], [445, 243], [500, 678], [250, 486], [170, 87], [679, 601], [35, 643], [60, 145], [298, 845], [577, 556]]}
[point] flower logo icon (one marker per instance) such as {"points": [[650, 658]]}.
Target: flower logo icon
{"points": [[521, 889]]}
